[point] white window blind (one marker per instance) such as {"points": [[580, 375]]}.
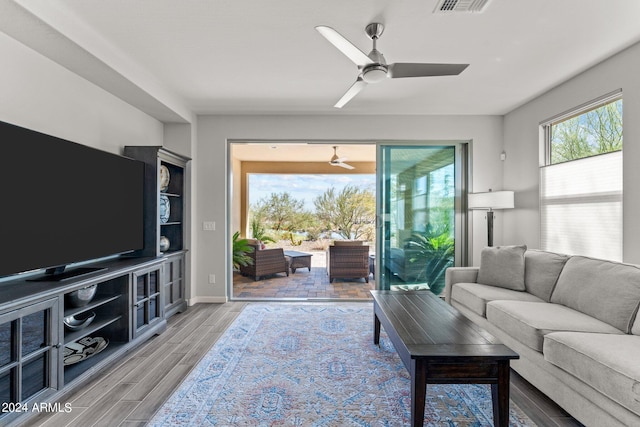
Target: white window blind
{"points": [[581, 206]]}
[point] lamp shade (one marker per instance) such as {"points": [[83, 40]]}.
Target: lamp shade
{"points": [[491, 200]]}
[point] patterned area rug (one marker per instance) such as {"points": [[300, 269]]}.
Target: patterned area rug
{"points": [[283, 364]]}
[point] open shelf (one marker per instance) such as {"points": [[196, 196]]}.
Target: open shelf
{"points": [[71, 372], [93, 304], [93, 327]]}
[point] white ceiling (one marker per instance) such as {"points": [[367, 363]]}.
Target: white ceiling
{"points": [[175, 57]]}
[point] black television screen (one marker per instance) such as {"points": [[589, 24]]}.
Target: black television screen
{"points": [[63, 202]]}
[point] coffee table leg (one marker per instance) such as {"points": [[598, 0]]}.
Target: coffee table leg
{"points": [[376, 329], [418, 391], [500, 396]]}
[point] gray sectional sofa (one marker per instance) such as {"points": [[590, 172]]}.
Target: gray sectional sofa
{"points": [[573, 320]]}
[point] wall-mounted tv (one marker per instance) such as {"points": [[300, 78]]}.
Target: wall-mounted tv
{"points": [[62, 203]]}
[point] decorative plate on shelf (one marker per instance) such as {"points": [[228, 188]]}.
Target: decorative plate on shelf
{"points": [[164, 178], [83, 349], [165, 209]]}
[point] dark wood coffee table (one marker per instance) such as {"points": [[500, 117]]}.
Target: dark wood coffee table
{"points": [[438, 345], [299, 259]]}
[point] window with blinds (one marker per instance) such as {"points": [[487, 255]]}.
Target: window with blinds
{"points": [[581, 181]]}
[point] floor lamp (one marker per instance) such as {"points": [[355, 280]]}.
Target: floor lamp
{"points": [[490, 201]]}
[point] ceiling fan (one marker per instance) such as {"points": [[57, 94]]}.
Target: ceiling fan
{"points": [[373, 68], [339, 161]]}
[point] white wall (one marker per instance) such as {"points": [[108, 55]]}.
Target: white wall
{"points": [[212, 172], [39, 94], [522, 143]]}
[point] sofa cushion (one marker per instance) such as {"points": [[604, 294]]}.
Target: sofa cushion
{"points": [[529, 322], [608, 363], [503, 266], [541, 272], [475, 296], [606, 290], [635, 329]]}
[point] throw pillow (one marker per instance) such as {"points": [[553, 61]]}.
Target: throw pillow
{"points": [[503, 266], [541, 272], [606, 290]]}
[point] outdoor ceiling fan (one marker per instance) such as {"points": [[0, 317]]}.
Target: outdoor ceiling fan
{"points": [[339, 161], [373, 68]]}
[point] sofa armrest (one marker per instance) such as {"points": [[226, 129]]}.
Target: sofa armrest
{"points": [[458, 275]]}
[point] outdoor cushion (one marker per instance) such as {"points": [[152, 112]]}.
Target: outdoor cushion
{"points": [[529, 322], [608, 363], [541, 272], [347, 243], [475, 296], [503, 266], [606, 290]]}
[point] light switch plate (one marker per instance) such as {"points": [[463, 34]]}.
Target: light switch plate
{"points": [[209, 226]]}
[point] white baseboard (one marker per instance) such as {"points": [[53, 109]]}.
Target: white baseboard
{"points": [[207, 300]]}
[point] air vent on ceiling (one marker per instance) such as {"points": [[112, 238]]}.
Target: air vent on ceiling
{"points": [[460, 6]]}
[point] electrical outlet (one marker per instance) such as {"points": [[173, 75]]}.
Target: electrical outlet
{"points": [[209, 226], [212, 279]]}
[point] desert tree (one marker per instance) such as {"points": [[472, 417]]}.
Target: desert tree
{"points": [[349, 212]]}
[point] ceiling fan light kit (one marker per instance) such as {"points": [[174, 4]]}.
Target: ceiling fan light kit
{"points": [[373, 68]]}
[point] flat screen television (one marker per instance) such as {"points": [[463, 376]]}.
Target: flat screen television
{"points": [[64, 203]]}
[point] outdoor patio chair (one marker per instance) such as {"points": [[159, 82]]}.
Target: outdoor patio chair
{"points": [[265, 262], [348, 260]]}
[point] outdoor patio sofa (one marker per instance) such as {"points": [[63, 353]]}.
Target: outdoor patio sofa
{"points": [[265, 262], [348, 259], [573, 320]]}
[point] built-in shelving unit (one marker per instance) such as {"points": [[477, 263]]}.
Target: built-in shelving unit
{"points": [[34, 338], [41, 357], [165, 190]]}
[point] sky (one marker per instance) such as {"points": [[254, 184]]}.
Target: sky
{"points": [[304, 187]]}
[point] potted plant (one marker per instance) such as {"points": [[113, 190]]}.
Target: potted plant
{"points": [[241, 248], [259, 233], [435, 246]]}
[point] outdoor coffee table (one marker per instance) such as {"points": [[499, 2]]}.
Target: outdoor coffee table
{"points": [[438, 345], [299, 260]]}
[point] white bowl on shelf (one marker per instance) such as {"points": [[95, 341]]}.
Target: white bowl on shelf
{"points": [[81, 297]]}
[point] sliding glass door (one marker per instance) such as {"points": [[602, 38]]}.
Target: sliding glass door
{"points": [[420, 222]]}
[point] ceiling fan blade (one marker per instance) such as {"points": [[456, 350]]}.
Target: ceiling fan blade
{"points": [[408, 69], [351, 92], [344, 165], [344, 46]]}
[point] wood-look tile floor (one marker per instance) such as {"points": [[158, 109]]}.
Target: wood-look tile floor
{"points": [[129, 393]]}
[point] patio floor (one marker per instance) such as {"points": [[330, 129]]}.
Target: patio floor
{"points": [[303, 284]]}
